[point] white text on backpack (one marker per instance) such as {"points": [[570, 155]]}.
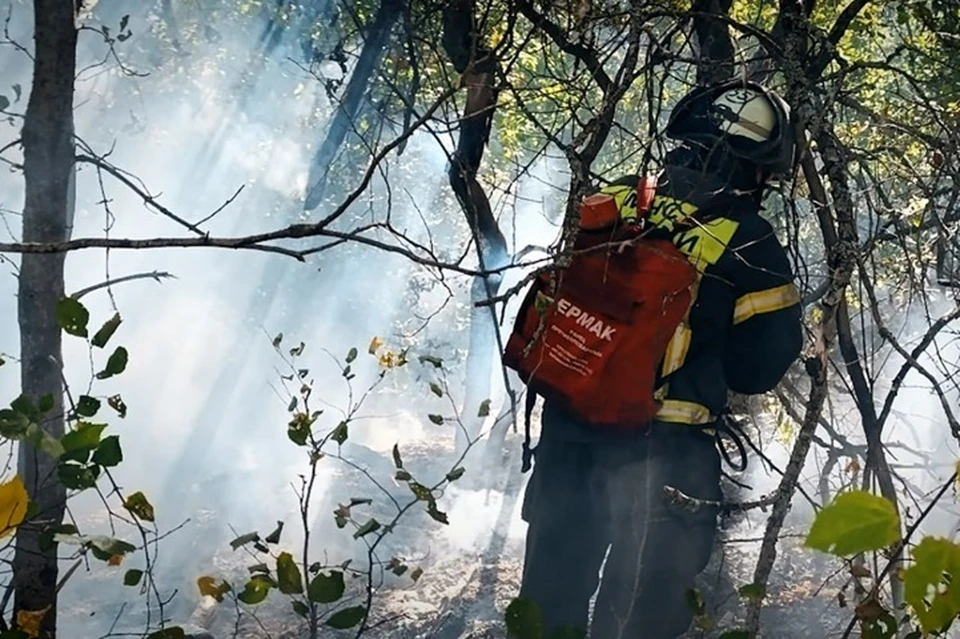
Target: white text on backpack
{"points": [[588, 321]]}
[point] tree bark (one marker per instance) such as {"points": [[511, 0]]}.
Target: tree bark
{"points": [[477, 66], [48, 172], [375, 43], [715, 55]]}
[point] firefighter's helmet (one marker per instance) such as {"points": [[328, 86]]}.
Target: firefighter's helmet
{"points": [[752, 122]]}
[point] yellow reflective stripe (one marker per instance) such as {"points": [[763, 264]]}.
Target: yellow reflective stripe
{"points": [[706, 243], [666, 212], [681, 412], [677, 349], [766, 301]]}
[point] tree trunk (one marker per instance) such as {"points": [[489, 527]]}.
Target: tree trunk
{"points": [[48, 171], [344, 121], [477, 65], [715, 55]]}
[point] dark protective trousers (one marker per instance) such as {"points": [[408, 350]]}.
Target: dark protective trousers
{"points": [[584, 497]]}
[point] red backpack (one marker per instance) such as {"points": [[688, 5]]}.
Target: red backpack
{"points": [[592, 336]]}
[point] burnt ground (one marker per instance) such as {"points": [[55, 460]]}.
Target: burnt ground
{"points": [[464, 589], [462, 595]]}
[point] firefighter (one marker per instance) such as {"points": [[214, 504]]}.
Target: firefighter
{"points": [[593, 491]]}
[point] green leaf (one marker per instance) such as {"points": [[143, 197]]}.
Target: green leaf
{"points": [[108, 546], [289, 580], [420, 491], [568, 633], [87, 406], [132, 577], [85, 437], [24, 405], [173, 632], [932, 584], [255, 590], [108, 453], [116, 403], [855, 522], [735, 634], [523, 619], [403, 475], [243, 540], [4, 102], [340, 433], [72, 316], [695, 601], [352, 355], [15, 633], [300, 608], [116, 364], [13, 425], [436, 514], [102, 336], [430, 359], [326, 588], [299, 428], [436, 419], [484, 408], [46, 403], [752, 591], [455, 474], [347, 618], [274, 537], [436, 390], [138, 505], [44, 441], [76, 477], [397, 460], [371, 526]]}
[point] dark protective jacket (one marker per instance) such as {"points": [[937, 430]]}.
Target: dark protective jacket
{"points": [[743, 330]]}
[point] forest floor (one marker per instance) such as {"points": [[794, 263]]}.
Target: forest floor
{"points": [[462, 595], [470, 576]]}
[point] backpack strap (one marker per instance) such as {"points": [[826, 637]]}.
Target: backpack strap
{"points": [[646, 191]]}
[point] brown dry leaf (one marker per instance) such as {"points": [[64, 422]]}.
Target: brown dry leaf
{"points": [[115, 560], [860, 571], [29, 621]]}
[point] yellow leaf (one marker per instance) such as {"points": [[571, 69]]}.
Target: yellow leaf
{"points": [[208, 587], [29, 621], [375, 345], [13, 505], [388, 359]]}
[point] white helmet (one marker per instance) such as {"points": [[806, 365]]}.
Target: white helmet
{"points": [[749, 120], [744, 112]]}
